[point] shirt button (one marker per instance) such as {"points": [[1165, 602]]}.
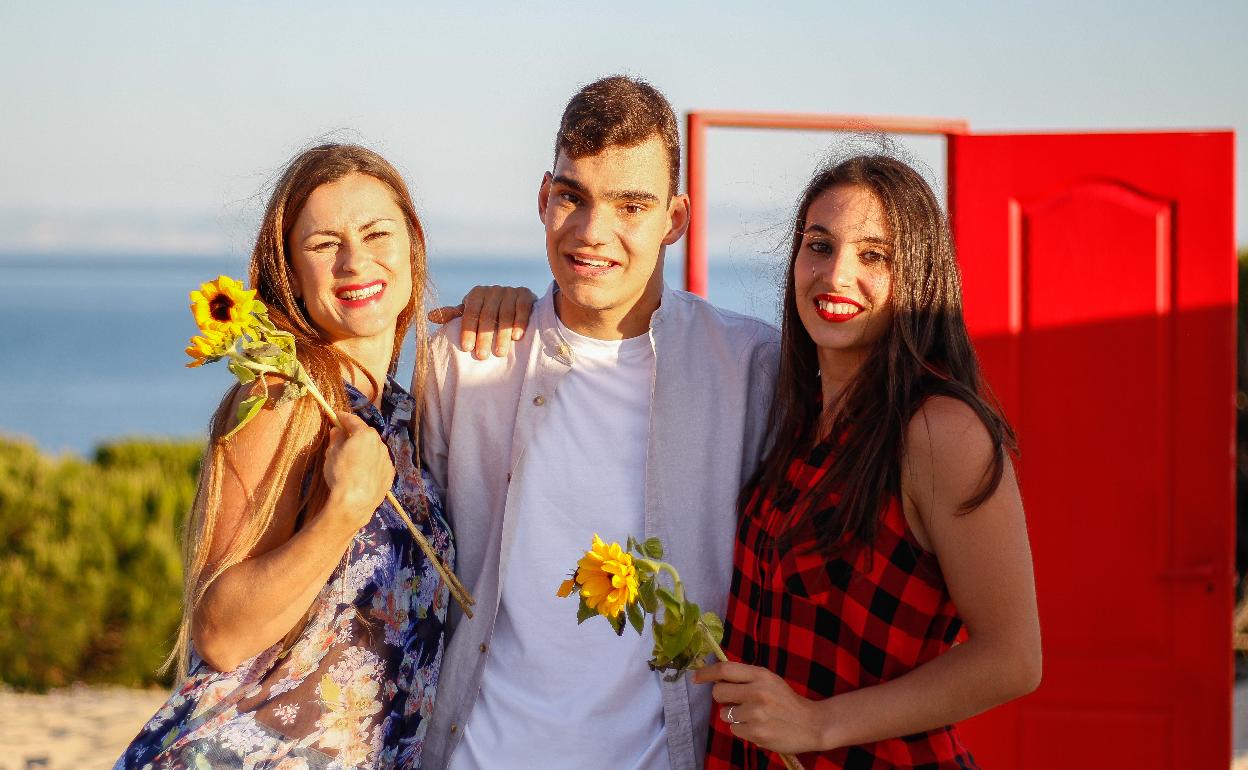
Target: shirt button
{"points": [[484, 647], [508, 478], [454, 728], [538, 401]]}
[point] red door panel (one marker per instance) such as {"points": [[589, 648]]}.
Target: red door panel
{"points": [[1099, 277]]}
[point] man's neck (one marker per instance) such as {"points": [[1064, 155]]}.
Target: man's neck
{"points": [[610, 324]]}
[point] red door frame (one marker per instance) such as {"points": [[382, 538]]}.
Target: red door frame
{"points": [[697, 122]]}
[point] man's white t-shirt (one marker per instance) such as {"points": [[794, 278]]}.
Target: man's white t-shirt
{"points": [[555, 694]]}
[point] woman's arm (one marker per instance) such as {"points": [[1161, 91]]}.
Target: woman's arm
{"points": [[986, 561], [255, 603]]}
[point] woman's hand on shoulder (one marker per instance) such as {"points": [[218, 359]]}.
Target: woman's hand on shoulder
{"points": [[984, 553], [494, 318], [358, 471]]}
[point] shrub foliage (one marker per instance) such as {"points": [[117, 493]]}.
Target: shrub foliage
{"points": [[90, 573]]}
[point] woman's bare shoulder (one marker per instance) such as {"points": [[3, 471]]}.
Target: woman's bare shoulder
{"points": [[261, 444], [267, 425], [948, 444]]}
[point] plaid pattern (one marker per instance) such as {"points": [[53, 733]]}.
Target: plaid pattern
{"points": [[830, 626]]}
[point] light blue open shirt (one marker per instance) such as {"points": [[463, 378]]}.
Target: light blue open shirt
{"points": [[712, 388]]}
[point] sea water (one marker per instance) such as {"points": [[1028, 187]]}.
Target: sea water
{"points": [[91, 349]]}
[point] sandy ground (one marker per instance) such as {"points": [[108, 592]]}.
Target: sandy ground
{"points": [[87, 727], [76, 727]]}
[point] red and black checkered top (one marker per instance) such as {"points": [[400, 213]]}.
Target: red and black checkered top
{"points": [[830, 625]]}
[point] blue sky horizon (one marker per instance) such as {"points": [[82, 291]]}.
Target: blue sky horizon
{"points": [[151, 129]]}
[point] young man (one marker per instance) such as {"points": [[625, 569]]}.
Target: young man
{"points": [[627, 408]]}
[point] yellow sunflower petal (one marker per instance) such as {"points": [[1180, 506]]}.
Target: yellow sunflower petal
{"points": [[608, 578]]}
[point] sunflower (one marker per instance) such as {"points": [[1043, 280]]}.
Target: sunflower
{"points": [[211, 345], [225, 307], [608, 578]]}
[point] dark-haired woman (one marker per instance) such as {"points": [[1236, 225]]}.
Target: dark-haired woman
{"points": [[882, 585]]}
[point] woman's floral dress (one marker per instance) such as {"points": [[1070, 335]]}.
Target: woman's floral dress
{"points": [[356, 688]]}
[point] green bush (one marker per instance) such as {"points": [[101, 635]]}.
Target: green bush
{"points": [[90, 575]]}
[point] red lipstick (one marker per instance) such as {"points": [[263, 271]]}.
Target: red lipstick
{"points": [[824, 304], [360, 294]]}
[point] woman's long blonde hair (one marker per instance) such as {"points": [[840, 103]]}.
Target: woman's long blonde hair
{"points": [[305, 434]]}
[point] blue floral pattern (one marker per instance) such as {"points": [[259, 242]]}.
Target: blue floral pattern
{"points": [[356, 687]]}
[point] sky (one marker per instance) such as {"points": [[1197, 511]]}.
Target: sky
{"points": [[153, 128]]}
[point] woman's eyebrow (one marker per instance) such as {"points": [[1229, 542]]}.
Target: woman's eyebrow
{"points": [[365, 226], [866, 239]]}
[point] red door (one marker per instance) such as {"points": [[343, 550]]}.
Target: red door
{"points": [[1099, 277]]}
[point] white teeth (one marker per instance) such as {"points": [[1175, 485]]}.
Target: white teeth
{"points": [[592, 262], [357, 294], [837, 308]]}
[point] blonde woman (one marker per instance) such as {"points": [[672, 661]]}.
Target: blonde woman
{"points": [[312, 627]]}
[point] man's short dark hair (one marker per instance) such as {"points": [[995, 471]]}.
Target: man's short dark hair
{"points": [[619, 111]]}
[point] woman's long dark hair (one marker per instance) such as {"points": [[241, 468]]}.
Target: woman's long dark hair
{"points": [[924, 352]]}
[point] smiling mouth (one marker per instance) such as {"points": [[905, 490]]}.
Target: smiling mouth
{"points": [[360, 295], [588, 265], [836, 309]]}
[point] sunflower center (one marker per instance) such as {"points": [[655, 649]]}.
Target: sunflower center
{"points": [[220, 307]]}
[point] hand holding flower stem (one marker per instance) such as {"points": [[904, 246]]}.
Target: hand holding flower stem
{"points": [[233, 324], [457, 588], [623, 584]]}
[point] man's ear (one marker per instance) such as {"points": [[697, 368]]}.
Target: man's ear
{"points": [[678, 213], [543, 196]]}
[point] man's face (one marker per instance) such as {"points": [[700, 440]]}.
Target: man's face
{"points": [[608, 217]]}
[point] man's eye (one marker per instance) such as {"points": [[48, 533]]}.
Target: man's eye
{"points": [[569, 198], [633, 208]]}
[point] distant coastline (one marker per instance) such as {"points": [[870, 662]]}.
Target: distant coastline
{"points": [[93, 343]]}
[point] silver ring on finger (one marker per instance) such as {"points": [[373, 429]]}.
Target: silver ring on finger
{"points": [[731, 719]]}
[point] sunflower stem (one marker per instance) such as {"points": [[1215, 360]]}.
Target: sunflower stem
{"points": [[676, 583], [301, 375], [716, 650]]}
